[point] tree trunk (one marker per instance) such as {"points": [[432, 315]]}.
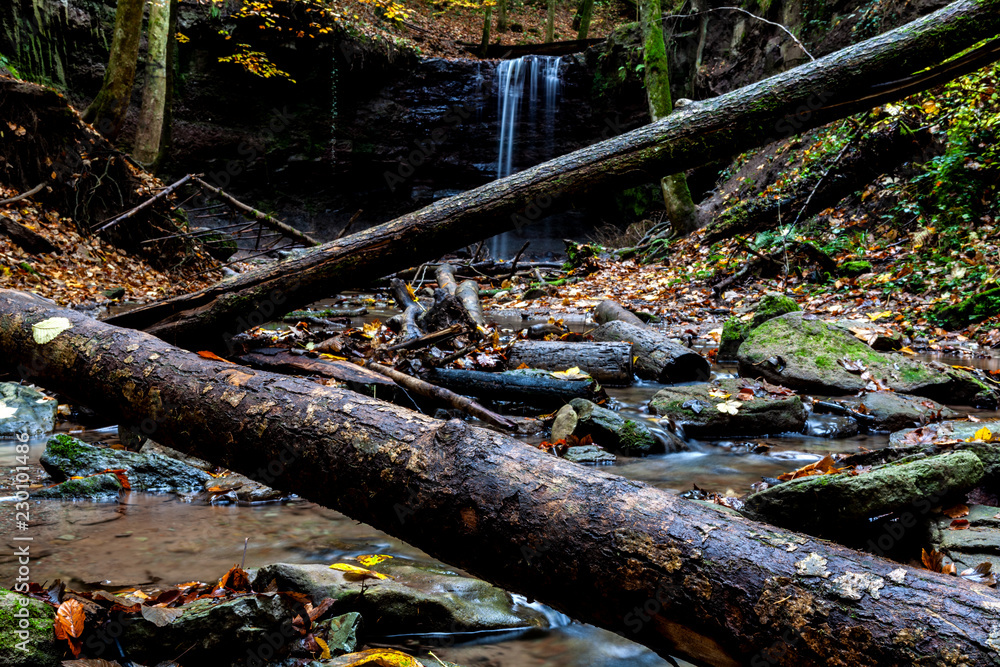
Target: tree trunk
{"points": [[486, 31], [680, 577], [676, 194], [657, 357], [550, 22], [107, 111], [582, 19], [608, 363], [850, 80], [501, 17], [151, 134]]}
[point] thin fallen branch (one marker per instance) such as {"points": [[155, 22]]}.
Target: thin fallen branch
{"points": [[431, 338], [750, 14], [24, 195], [158, 196], [264, 218]]}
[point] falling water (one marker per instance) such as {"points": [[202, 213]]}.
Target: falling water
{"points": [[536, 77]]}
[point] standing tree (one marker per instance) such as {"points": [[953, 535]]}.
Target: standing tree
{"points": [[107, 111], [486, 28], [501, 16], [582, 19], [550, 23], [152, 135], [676, 195]]}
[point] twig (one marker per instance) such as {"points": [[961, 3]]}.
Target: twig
{"points": [[428, 339], [350, 222], [264, 218], [24, 195], [750, 14], [455, 356], [513, 264], [159, 195]]}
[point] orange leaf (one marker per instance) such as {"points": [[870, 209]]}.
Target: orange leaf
{"points": [[235, 580], [205, 354], [957, 512], [959, 524]]}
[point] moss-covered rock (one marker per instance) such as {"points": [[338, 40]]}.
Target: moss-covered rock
{"points": [[695, 409], [416, 599], [734, 332], [979, 543], [935, 437], [771, 305], [811, 503], [976, 308], [813, 356], [26, 636], [95, 487], [854, 268], [66, 457], [609, 429], [35, 412]]}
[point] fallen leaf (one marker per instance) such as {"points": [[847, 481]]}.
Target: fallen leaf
{"points": [[982, 435], [6, 411], [729, 407], [959, 524], [980, 574], [571, 373], [45, 331], [236, 579], [205, 354], [68, 624], [956, 512], [379, 657], [355, 573], [372, 559], [161, 616]]}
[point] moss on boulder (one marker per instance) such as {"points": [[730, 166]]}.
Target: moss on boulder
{"points": [[854, 268], [976, 308], [609, 429], [26, 636], [771, 305], [734, 332], [95, 487]]}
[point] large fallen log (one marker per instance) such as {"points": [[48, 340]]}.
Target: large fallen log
{"points": [[532, 387], [680, 577], [657, 358], [608, 363], [854, 79]]}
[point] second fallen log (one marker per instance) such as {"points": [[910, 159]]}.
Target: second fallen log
{"points": [[657, 357], [608, 363], [529, 386]]}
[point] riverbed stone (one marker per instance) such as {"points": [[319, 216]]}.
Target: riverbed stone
{"points": [[35, 412], [831, 426], [978, 543], [734, 332], [564, 423], [811, 355], [589, 454], [66, 457], [958, 435], [823, 500], [611, 430], [696, 410], [771, 305], [209, 632], [94, 487], [42, 649], [892, 411], [417, 598]]}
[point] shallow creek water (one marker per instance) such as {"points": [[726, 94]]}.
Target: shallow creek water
{"points": [[160, 538]]}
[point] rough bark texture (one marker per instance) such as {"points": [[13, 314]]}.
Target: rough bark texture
{"points": [[538, 389], [151, 135], [608, 363], [808, 96], [609, 311], [657, 357], [107, 111], [680, 577], [582, 18]]}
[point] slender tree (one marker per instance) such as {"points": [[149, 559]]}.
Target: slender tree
{"points": [[154, 117], [107, 111], [582, 19], [550, 24], [501, 16], [676, 194], [487, 20]]}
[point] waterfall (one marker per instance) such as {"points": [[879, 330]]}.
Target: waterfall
{"points": [[538, 77]]}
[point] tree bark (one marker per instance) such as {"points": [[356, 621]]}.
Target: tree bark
{"points": [[550, 22], [486, 32], [680, 577], [657, 357], [151, 134], [107, 111], [538, 389], [608, 363], [501, 16], [609, 311], [582, 19], [856, 78]]}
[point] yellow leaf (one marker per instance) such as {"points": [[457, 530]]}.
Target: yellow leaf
{"points": [[325, 655], [372, 559], [379, 657], [906, 350], [983, 435], [571, 373], [355, 573], [718, 393], [876, 316], [46, 330], [729, 407]]}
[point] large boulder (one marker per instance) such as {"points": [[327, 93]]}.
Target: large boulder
{"points": [[67, 457], [717, 410], [812, 356], [736, 330], [36, 645], [891, 411], [611, 430], [416, 598], [35, 413], [955, 435], [816, 502]]}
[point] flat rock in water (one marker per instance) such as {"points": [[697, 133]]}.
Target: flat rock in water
{"points": [[35, 412], [978, 543], [589, 454], [814, 502], [66, 457], [812, 356], [609, 429], [416, 599], [705, 410], [892, 411], [95, 487], [955, 435]]}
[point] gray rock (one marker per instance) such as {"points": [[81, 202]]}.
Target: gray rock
{"points": [[894, 411], [589, 454], [66, 457], [693, 408], [876, 337], [819, 501], [42, 650], [831, 426], [979, 543], [416, 599], [945, 434], [811, 355], [36, 412], [95, 487], [564, 424], [609, 429]]}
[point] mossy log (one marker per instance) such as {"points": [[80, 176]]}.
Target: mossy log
{"points": [[680, 577], [856, 78], [608, 363]]}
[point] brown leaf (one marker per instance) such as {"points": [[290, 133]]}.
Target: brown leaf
{"points": [[69, 619], [206, 354], [980, 574], [236, 579], [956, 512], [317, 612], [161, 616], [959, 524]]}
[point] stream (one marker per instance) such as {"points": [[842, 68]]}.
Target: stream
{"points": [[148, 539]]}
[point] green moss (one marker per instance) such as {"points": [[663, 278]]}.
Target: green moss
{"points": [[95, 487], [823, 361], [635, 438], [974, 309], [42, 650], [854, 268], [734, 332], [773, 305]]}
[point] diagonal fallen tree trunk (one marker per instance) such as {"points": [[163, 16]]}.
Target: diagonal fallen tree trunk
{"points": [[856, 78], [682, 578]]}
